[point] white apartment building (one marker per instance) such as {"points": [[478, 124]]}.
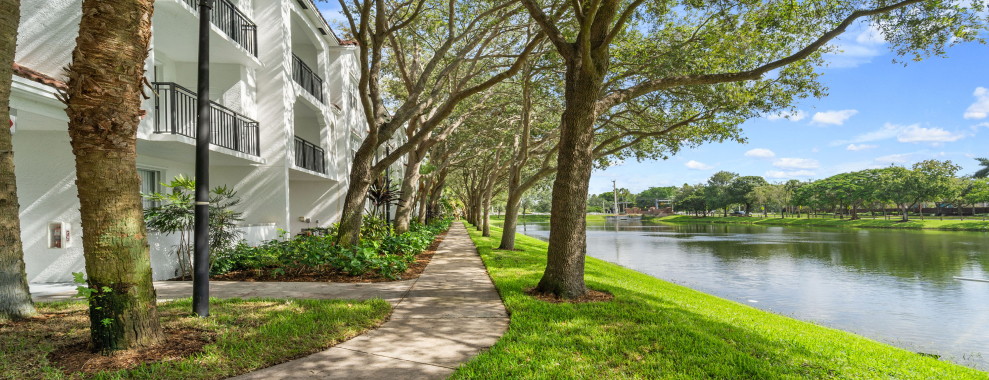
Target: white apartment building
{"points": [[286, 119]]}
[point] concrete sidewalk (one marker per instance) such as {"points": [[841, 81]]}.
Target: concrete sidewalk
{"points": [[451, 314]]}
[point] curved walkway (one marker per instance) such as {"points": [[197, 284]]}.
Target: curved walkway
{"points": [[450, 314]]}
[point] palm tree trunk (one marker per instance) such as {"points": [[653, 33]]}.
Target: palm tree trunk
{"points": [[104, 108], [15, 298]]}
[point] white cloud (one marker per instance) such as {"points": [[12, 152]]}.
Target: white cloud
{"points": [[832, 117], [760, 153], [852, 52], [915, 133], [789, 174], [870, 36], [980, 125], [797, 163], [792, 116], [694, 165], [905, 133], [895, 158], [855, 148], [979, 109]]}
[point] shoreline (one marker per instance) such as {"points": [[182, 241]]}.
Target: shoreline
{"points": [[913, 224], [654, 327]]}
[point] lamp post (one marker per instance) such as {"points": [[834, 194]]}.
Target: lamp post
{"points": [[200, 277]]}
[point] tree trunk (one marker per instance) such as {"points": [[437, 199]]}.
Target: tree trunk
{"points": [[104, 107], [15, 297], [422, 203], [436, 192], [511, 219], [361, 176], [486, 205], [564, 274], [410, 183]]}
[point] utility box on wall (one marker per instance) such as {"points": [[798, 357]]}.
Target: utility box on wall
{"points": [[58, 235]]}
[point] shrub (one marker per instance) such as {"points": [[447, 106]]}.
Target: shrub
{"points": [[388, 255]]}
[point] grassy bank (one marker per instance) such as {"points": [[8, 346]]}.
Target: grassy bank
{"points": [[244, 335], [933, 224], [655, 329]]}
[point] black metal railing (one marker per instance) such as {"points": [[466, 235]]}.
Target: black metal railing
{"points": [[176, 113], [309, 156], [306, 78], [233, 22]]}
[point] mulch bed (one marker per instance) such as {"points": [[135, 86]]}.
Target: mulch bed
{"points": [[179, 343], [315, 275], [68, 333], [591, 296]]}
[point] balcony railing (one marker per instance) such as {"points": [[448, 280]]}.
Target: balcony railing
{"points": [[233, 23], [176, 113], [306, 78], [309, 156]]}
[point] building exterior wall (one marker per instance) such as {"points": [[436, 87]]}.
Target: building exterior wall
{"points": [[275, 191]]}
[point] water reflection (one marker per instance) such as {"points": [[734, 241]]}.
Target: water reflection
{"points": [[894, 286]]}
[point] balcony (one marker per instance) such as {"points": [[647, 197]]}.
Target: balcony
{"points": [[306, 78], [233, 23], [309, 156], [176, 112]]}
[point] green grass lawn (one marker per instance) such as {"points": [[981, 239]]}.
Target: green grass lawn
{"points": [[250, 334], [929, 223], [655, 329]]}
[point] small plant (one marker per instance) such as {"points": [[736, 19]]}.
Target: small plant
{"points": [[382, 195], [89, 294], [175, 213]]}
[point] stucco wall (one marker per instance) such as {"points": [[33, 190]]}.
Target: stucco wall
{"points": [[40, 20], [45, 164]]}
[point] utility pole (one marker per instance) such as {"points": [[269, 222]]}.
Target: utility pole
{"points": [[614, 193], [200, 277]]}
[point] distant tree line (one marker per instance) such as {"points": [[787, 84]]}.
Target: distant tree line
{"points": [[927, 183]]}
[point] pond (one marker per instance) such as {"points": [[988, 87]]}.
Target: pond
{"points": [[893, 286]]}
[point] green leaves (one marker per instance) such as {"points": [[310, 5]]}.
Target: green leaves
{"points": [[386, 254]]}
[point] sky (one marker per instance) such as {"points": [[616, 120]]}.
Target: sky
{"points": [[878, 113]]}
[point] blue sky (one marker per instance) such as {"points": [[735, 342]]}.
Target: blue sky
{"points": [[878, 114]]}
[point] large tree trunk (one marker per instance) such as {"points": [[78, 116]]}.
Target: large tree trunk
{"points": [[435, 194], [104, 108], [564, 274], [15, 298], [410, 183], [361, 176], [423, 203], [511, 219], [486, 206]]}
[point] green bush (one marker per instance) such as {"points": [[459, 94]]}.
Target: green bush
{"points": [[380, 251]]}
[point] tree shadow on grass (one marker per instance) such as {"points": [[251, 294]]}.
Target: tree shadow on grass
{"points": [[655, 329]]}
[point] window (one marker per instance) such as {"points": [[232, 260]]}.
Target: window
{"points": [[150, 183]]}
